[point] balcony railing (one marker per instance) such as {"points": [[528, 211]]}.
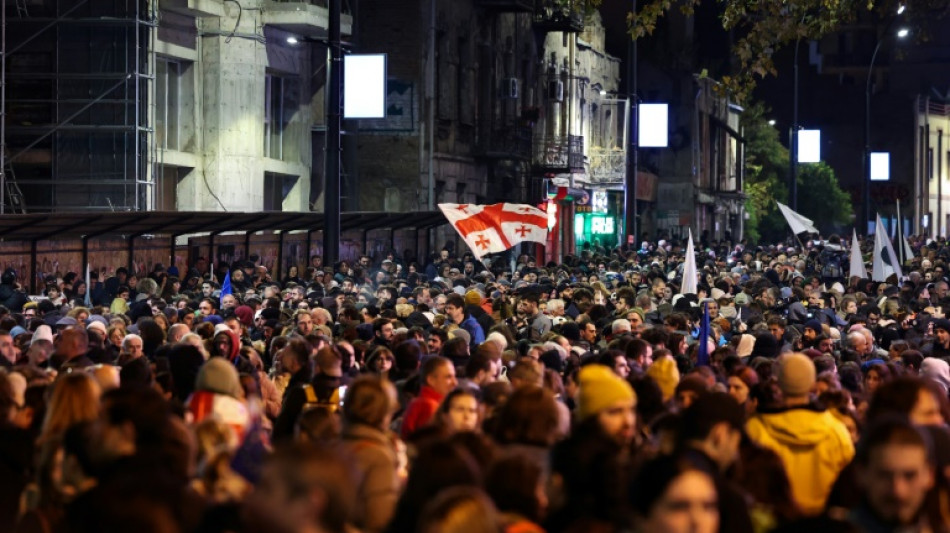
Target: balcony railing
{"points": [[559, 15], [507, 6], [933, 108], [346, 9], [513, 142], [559, 153], [608, 166]]}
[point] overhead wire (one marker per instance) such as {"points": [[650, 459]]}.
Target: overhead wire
{"points": [[236, 24]]}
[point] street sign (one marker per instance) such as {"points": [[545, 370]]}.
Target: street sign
{"points": [[809, 146], [880, 166]]}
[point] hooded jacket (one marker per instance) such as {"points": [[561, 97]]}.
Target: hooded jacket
{"points": [[235, 344], [814, 447], [937, 370], [243, 365], [11, 298], [421, 410], [378, 484], [484, 319], [217, 389]]}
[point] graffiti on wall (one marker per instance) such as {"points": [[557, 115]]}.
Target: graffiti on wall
{"points": [[57, 258]]}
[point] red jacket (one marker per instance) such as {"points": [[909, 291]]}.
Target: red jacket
{"points": [[420, 410]]}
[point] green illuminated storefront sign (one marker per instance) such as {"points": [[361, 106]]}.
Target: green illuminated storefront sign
{"points": [[595, 229]]}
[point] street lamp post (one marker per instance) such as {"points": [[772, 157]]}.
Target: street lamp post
{"points": [[630, 187], [331, 197], [902, 33], [793, 134], [793, 138]]}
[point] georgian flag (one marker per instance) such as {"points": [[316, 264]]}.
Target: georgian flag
{"points": [[495, 228], [230, 411]]}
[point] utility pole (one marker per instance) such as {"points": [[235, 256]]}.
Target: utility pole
{"points": [[331, 196], [630, 188], [3, 107], [793, 139]]}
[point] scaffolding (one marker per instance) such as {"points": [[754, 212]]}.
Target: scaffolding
{"points": [[76, 76]]}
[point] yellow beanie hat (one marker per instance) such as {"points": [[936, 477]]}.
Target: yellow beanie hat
{"points": [[473, 298], [666, 375], [599, 388]]}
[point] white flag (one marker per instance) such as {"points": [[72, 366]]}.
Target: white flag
{"points": [[906, 249], [798, 223], [857, 262], [885, 260], [495, 228], [689, 268], [87, 299]]}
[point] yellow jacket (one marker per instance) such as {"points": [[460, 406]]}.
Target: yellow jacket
{"points": [[813, 445], [119, 306]]}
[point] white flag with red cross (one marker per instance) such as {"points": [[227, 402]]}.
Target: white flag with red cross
{"points": [[495, 228]]}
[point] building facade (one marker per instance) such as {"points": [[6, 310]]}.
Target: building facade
{"points": [[75, 100], [581, 142], [198, 105], [699, 172], [489, 101], [870, 91], [932, 167], [720, 200]]}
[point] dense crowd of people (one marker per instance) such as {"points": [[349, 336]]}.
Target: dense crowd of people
{"points": [[452, 395]]}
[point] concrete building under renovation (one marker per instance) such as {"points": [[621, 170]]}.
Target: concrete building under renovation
{"points": [[76, 77], [126, 105]]}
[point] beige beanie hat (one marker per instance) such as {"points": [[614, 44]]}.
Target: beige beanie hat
{"points": [[746, 343], [796, 374]]}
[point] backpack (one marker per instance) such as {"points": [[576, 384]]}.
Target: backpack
{"points": [[332, 403], [831, 264]]}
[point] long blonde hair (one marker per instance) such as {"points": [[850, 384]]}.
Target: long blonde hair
{"points": [[75, 399], [76, 311], [110, 331]]}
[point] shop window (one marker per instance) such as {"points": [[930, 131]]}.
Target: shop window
{"points": [[168, 103]]}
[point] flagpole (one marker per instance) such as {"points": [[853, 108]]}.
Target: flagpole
{"points": [[800, 242], [901, 256], [87, 299]]}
